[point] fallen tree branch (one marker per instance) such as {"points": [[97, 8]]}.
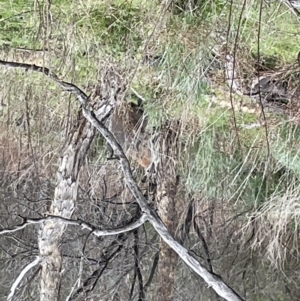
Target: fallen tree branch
{"points": [[211, 279], [90, 283], [84, 225], [21, 276], [291, 7], [65, 194], [152, 271], [137, 267]]}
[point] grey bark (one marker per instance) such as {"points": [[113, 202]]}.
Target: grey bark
{"points": [[64, 200], [65, 196]]}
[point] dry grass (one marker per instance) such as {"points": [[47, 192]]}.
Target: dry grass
{"points": [[221, 157], [277, 227], [34, 125]]}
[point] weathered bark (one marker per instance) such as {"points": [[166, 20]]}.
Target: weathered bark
{"points": [[65, 196], [168, 211], [62, 205], [167, 257], [129, 128], [166, 273], [109, 97], [220, 287]]}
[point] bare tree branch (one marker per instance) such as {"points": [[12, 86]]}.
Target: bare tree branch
{"points": [[212, 280], [21, 276], [69, 164], [290, 6], [84, 225], [89, 284], [152, 272], [137, 266]]}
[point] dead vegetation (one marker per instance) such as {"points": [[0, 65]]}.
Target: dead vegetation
{"points": [[234, 156]]}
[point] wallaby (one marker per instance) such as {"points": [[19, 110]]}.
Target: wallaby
{"points": [[128, 125]]}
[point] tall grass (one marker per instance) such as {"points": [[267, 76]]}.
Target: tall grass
{"points": [[220, 157]]}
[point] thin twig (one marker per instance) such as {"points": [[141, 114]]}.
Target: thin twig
{"points": [[212, 280]]}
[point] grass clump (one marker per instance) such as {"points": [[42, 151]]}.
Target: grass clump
{"points": [[286, 147], [18, 23], [223, 158], [116, 27]]}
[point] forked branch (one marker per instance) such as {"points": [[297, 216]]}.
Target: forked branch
{"points": [[72, 222], [212, 280]]}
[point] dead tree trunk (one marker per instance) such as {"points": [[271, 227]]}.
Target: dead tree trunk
{"points": [[109, 94], [168, 203], [62, 205], [155, 154], [166, 198], [64, 202]]}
